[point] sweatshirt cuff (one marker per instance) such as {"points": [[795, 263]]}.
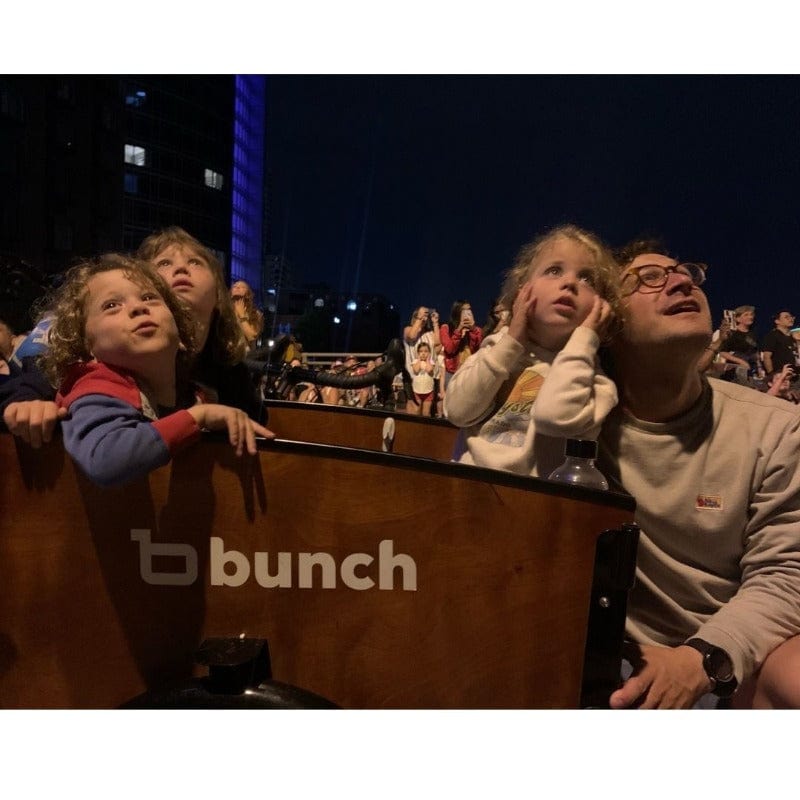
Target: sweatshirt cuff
{"points": [[506, 353], [583, 338], [177, 430]]}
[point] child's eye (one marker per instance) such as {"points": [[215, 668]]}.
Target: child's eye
{"points": [[163, 263], [109, 304], [555, 269], [587, 277], [151, 296]]}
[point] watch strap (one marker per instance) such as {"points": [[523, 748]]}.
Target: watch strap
{"points": [[719, 687]]}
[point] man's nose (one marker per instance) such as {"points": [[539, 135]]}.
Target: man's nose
{"points": [[679, 282]]}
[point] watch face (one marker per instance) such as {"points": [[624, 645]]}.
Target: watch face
{"points": [[720, 664]]}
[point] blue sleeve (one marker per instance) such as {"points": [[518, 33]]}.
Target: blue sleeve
{"points": [[111, 441], [25, 383]]}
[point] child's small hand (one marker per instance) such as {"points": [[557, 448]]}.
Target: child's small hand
{"points": [[524, 306], [33, 420], [600, 316], [241, 429]]}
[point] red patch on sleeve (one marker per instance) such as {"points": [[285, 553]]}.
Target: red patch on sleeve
{"points": [[97, 378]]}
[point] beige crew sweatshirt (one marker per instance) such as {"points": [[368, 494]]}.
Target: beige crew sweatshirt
{"points": [[517, 405], [718, 502]]}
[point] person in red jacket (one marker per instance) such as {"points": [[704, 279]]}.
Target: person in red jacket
{"points": [[460, 337]]}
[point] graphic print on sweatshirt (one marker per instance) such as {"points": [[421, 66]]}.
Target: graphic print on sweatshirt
{"points": [[510, 422]]}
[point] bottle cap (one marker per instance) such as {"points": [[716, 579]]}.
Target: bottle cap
{"points": [[581, 448]]}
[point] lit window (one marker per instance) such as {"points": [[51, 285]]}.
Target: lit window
{"points": [[213, 179], [135, 155], [135, 99], [351, 306], [131, 183]]}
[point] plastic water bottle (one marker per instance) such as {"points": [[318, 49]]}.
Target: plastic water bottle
{"points": [[578, 468]]}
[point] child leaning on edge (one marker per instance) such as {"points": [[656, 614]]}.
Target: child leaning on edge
{"points": [[537, 381], [119, 346]]}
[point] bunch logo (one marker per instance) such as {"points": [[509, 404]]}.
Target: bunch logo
{"points": [[234, 568], [186, 577]]}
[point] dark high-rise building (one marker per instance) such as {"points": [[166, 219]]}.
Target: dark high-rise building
{"points": [[178, 157], [90, 164], [61, 168]]}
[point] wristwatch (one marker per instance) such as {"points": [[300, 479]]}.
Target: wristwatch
{"points": [[718, 666]]}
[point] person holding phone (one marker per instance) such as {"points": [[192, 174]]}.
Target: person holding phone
{"points": [[460, 337], [737, 346], [780, 384]]}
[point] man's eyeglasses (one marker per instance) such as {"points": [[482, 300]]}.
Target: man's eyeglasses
{"points": [[655, 276]]}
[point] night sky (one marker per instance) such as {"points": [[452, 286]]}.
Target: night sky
{"points": [[432, 184]]}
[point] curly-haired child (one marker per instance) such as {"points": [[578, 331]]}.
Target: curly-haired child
{"points": [[119, 350], [537, 380]]}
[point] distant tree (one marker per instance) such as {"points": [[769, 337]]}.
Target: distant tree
{"points": [[313, 329]]}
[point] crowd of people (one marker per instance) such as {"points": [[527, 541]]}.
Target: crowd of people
{"points": [[433, 353], [770, 364], [134, 355]]}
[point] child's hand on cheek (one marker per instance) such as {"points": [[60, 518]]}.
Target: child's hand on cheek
{"points": [[521, 313], [599, 318]]}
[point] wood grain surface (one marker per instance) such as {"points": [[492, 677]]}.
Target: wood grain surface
{"points": [[497, 617], [349, 427]]}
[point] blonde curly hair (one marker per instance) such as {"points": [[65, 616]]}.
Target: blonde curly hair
{"points": [[606, 268], [67, 343], [226, 343]]}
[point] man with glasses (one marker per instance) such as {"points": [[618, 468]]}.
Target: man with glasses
{"points": [[715, 471]]}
